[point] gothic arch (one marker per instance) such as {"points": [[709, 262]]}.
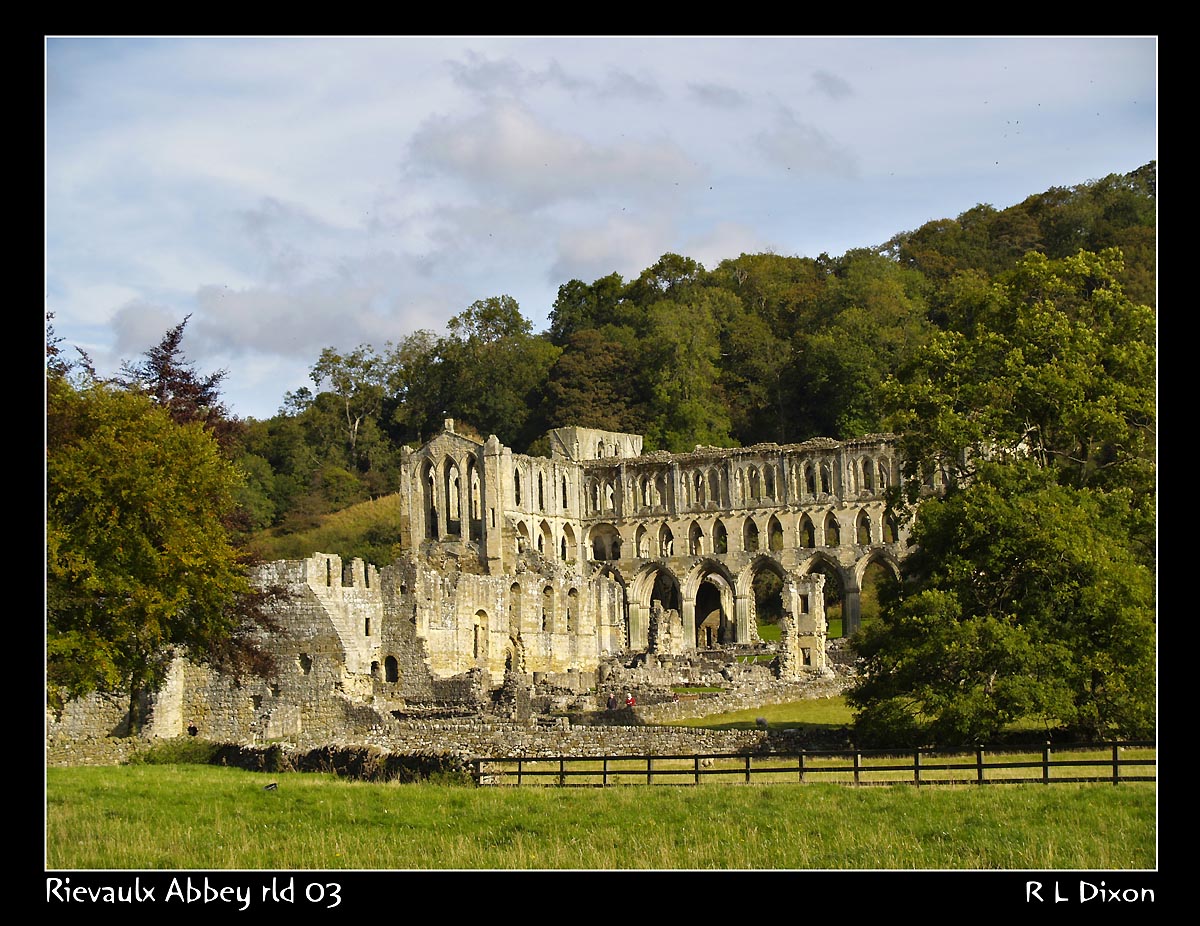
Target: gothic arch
{"points": [[605, 542], [839, 582], [429, 506], [695, 540], [710, 589], [891, 528], [749, 535], [810, 480], [876, 575], [774, 534], [806, 533], [666, 541], [862, 528], [705, 570], [572, 610], [568, 544], [753, 489], [547, 605], [641, 546], [744, 584], [452, 483], [720, 537], [876, 557], [514, 609], [651, 582], [833, 530], [479, 642]]}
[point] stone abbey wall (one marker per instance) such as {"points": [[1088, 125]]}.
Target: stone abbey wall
{"points": [[525, 575]]}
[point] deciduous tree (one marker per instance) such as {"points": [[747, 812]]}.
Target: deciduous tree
{"points": [[139, 563], [1021, 601]]}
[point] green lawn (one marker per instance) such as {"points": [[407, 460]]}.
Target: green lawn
{"points": [[206, 817]]}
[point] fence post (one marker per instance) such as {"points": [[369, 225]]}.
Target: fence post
{"points": [[1116, 765], [917, 766], [801, 766], [696, 768], [562, 772], [649, 769], [747, 769], [979, 764], [1046, 764], [518, 773], [604, 773], [857, 764]]}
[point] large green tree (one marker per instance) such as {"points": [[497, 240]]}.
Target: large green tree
{"points": [[140, 566], [684, 404], [495, 371], [1031, 589], [360, 379], [1022, 601], [1052, 363]]}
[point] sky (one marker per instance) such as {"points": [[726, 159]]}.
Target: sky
{"points": [[288, 194]]}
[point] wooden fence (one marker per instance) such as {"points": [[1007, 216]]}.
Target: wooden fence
{"points": [[1116, 762]]}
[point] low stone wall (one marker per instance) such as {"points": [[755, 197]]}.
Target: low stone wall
{"points": [[585, 730]]}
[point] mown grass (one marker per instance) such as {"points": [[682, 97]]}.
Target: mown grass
{"points": [[813, 714], [821, 715], [203, 817]]}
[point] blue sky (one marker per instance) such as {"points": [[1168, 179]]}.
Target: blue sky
{"points": [[292, 194]]}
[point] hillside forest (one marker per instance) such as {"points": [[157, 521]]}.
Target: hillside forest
{"points": [[1014, 349]]}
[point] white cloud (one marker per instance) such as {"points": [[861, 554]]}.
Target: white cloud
{"points": [[507, 153], [297, 193], [804, 149]]}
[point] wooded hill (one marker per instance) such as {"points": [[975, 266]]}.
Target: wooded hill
{"points": [[762, 347]]}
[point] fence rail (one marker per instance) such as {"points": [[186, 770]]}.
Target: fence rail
{"points": [[1114, 762]]}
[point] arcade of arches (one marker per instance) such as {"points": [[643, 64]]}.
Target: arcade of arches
{"points": [[682, 551]]}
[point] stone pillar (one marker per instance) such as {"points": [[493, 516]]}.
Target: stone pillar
{"points": [[639, 619], [497, 464], [742, 606], [687, 614], [851, 606]]}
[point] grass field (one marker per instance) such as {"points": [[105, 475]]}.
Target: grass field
{"points": [[205, 817]]}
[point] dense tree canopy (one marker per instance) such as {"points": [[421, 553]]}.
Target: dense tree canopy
{"points": [[140, 566], [1022, 601], [1052, 363]]}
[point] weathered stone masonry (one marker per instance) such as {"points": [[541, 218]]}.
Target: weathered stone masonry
{"points": [[529, 573]]}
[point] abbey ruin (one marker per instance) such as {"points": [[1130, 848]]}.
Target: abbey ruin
{"points": [[523, 575]]}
